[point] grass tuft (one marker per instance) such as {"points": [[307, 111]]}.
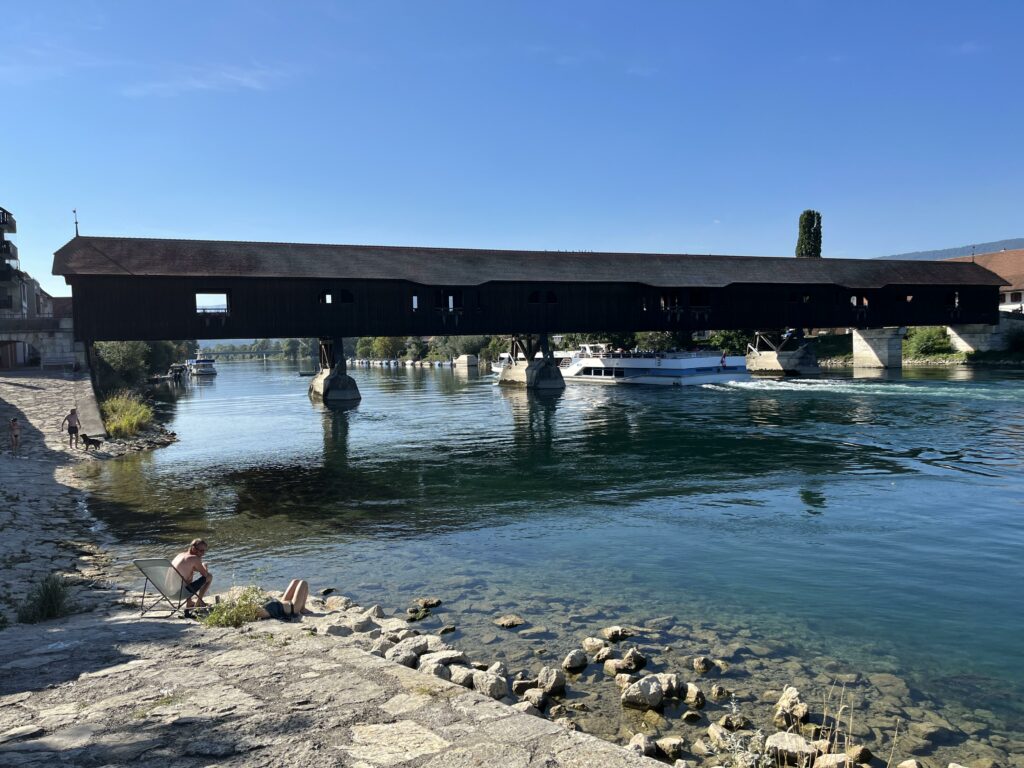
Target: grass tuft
{"points": [[47, 600], [237, 611], [124, 414]]}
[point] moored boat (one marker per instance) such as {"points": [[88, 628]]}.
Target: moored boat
{"points": [[598, 364], [201, 366]]}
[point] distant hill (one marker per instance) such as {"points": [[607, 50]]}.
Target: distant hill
{"points": [[964, 250]]}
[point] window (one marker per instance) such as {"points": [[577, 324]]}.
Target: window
{"points": [[1002, 298], [211, 304], [448, 300], [415, 302], [326, 298], [910, 298], [953, 300], [1015, 296]]}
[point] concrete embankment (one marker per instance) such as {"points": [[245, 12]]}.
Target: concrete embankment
{"points": [[104, 687]]}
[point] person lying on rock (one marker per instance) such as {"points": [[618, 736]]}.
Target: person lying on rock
{"points": [[291, 604], [190, 562]]}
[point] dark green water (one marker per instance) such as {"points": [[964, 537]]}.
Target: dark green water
{"points": [[873, 521]]}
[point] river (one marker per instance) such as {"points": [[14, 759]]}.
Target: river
{"points": [[874, 522]]}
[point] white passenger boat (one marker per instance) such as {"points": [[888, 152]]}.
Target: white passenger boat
{"points": [[201, 366], [598, 364]]}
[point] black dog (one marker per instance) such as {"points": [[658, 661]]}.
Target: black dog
{"points": [[91, 442]]}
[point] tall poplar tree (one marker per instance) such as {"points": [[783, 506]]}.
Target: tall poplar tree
{"points": [[808, 241]]}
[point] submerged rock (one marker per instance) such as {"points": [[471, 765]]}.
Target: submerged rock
{"points": [[509, 620], [616, 633], [593, 644]]}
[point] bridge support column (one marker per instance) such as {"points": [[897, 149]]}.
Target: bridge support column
{"points": [[878, 347], [533, 373], [333, 384], [979, 337]]}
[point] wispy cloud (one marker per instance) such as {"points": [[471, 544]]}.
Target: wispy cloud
{"points": [[22, 65], [968, 48], [215, 78]]}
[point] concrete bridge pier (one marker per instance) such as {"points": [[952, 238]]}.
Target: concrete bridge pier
{"points": [[878, 347], [533, 373], [333, 384], [978, 337]]}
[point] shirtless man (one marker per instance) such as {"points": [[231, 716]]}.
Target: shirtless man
{"points": [[73, 423], [189, 562]]}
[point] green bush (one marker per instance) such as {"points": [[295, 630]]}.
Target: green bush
{"points": [[47, 600], [926, 340], [237, 611], [124, 414]]}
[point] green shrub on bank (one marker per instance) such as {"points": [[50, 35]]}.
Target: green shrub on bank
{"points": [[237, 611], [927, 340], [125, 414], [47, 600]]}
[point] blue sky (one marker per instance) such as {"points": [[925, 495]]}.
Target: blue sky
{"points": [[684, 127]]}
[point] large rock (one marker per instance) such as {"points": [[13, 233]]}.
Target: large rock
{"points": [[790, 749], [593, 644], [462, 676], [490, 684], [575, 660], [625, 679], [671, 684], [694, 696], [536, 696], [833, 761], [671, 746], [527, 708], [702, 665], [643, 744], [519, 687], [633, 661], [602, 655], [435, 669], [552, 681], [790, 710], [416, 645], [718, 736], [645, 693], [444, 657]]}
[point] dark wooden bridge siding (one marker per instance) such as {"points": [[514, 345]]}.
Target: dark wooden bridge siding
{"points": [[124, 307]]}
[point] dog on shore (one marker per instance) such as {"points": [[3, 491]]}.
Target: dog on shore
{"points": [[91, 442]]}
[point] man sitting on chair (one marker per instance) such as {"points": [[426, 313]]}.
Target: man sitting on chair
{"points": [[188, 563]]}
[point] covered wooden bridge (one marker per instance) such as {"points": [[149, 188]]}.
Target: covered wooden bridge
{"points": [[147, 289]]}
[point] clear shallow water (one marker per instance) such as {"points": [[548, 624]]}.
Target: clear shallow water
{"points": [[874, 521]]}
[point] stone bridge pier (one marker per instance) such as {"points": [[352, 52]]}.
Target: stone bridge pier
{"points": [[539, 373], [332, 384], [878, 347]]}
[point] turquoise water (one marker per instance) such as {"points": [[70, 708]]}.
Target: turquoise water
{"points": [[875, 521]]}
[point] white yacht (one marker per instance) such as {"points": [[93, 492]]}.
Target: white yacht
{"points": [[598, 364], [201, 366]]}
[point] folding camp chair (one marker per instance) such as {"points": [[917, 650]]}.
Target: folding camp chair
{"points": [[167, 583]]}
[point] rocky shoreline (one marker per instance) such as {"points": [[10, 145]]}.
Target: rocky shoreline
{"points": [[675, 692]]}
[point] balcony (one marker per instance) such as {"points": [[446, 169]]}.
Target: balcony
{"points": [[7, 222], [8, 250]]}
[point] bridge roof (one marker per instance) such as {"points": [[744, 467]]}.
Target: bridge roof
{"points": [[109, 256]]}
